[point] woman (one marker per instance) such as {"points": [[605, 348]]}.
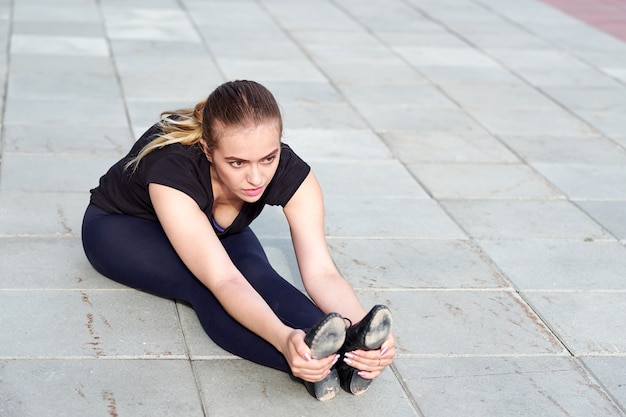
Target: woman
{"points": [[171, 218]]}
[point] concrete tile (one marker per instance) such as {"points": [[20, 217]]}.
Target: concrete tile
{"points": [[598, 99], [159, 65], [373, 73], [57, 173], [57, 13], [140, 388], [383, 179], [253, 48], [353, 54], [99, 140], [304, 92], [320, 16], [605, 182], [443, 75], [524, 386], [63, 112], [487, 96], [465, 323], [92, 323], [336, 144], [482, 181], [535, 58], [394, 15], [265, 71], [413, 95], [163, 87], [404, 218], [321, 116], [430, 35], [41, 213], [268, 389], [340, 37], [49, 65], [373, 264], [610, 214], [478, 147], [609, 122], [531, 122], [405, 118], [608, 371], [587, 322], [162, 31], [573, 77], [54, 28], [60, 264], [523, 220], [66, 87], [142, 47], [558, 149], [58, 45], [541, 265], [465, 57]]}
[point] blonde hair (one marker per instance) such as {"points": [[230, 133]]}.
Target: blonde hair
{"points": [[235, 103]]}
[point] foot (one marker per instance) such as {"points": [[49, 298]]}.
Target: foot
{"points": [[369, 334], [325, 338]]}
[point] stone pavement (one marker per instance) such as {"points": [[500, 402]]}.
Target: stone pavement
{"points": [[472, 154]]}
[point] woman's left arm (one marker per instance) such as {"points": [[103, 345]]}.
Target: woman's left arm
{"points": [[321, 279]]}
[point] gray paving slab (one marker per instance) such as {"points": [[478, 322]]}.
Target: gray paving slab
{"points": [[472, 155], [559, 265], [588, 323], [566, 150], [90, 323], [99, 388], [60, 264], [403, 264], [483, 181], [526, 386], [268, 392], [610, 214], [608, 370], [41, 213], [445, 147], [506, 219], [582, 182], [384, 179]]}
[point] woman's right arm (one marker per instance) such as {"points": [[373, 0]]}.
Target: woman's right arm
{"points": [[195, 241]]}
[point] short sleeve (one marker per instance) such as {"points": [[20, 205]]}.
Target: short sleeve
{"points": [[290, 174], [175, 170]]}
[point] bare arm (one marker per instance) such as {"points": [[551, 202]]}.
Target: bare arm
{"points": [[195, 241], [305, 214]]}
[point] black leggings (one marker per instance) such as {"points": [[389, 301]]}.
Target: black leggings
{"points": [[137, 253]]}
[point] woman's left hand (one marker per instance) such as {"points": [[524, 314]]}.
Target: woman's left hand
{"points": [[371, 363]]}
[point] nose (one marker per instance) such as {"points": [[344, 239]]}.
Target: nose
{"points": [[255, 178]]}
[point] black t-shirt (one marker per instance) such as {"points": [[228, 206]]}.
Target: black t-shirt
{"points": [[187, 169]]}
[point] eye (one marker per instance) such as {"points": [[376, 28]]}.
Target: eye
{"points": [[236, 164], [269, 159]]}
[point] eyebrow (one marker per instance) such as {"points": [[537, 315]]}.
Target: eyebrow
{"points": [[234, 158]]}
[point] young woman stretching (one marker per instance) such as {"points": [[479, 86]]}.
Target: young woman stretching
{"points": [[172, 218]]}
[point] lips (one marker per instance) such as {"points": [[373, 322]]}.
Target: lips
{"points": [[253, 192]]}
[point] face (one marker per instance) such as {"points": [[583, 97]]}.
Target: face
{"points": [[245, 160]]}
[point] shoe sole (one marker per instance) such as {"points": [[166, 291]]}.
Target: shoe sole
{"points": [[329, 337], [327, 388], [379, 328]]}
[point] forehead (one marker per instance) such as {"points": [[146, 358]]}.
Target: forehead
{"points": [[249, 142]]}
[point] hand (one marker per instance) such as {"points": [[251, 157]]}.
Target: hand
{"points": [[371, 363], [298, 357]]}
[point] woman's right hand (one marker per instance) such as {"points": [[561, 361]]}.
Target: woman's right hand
{"points": [[298, 357]]}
